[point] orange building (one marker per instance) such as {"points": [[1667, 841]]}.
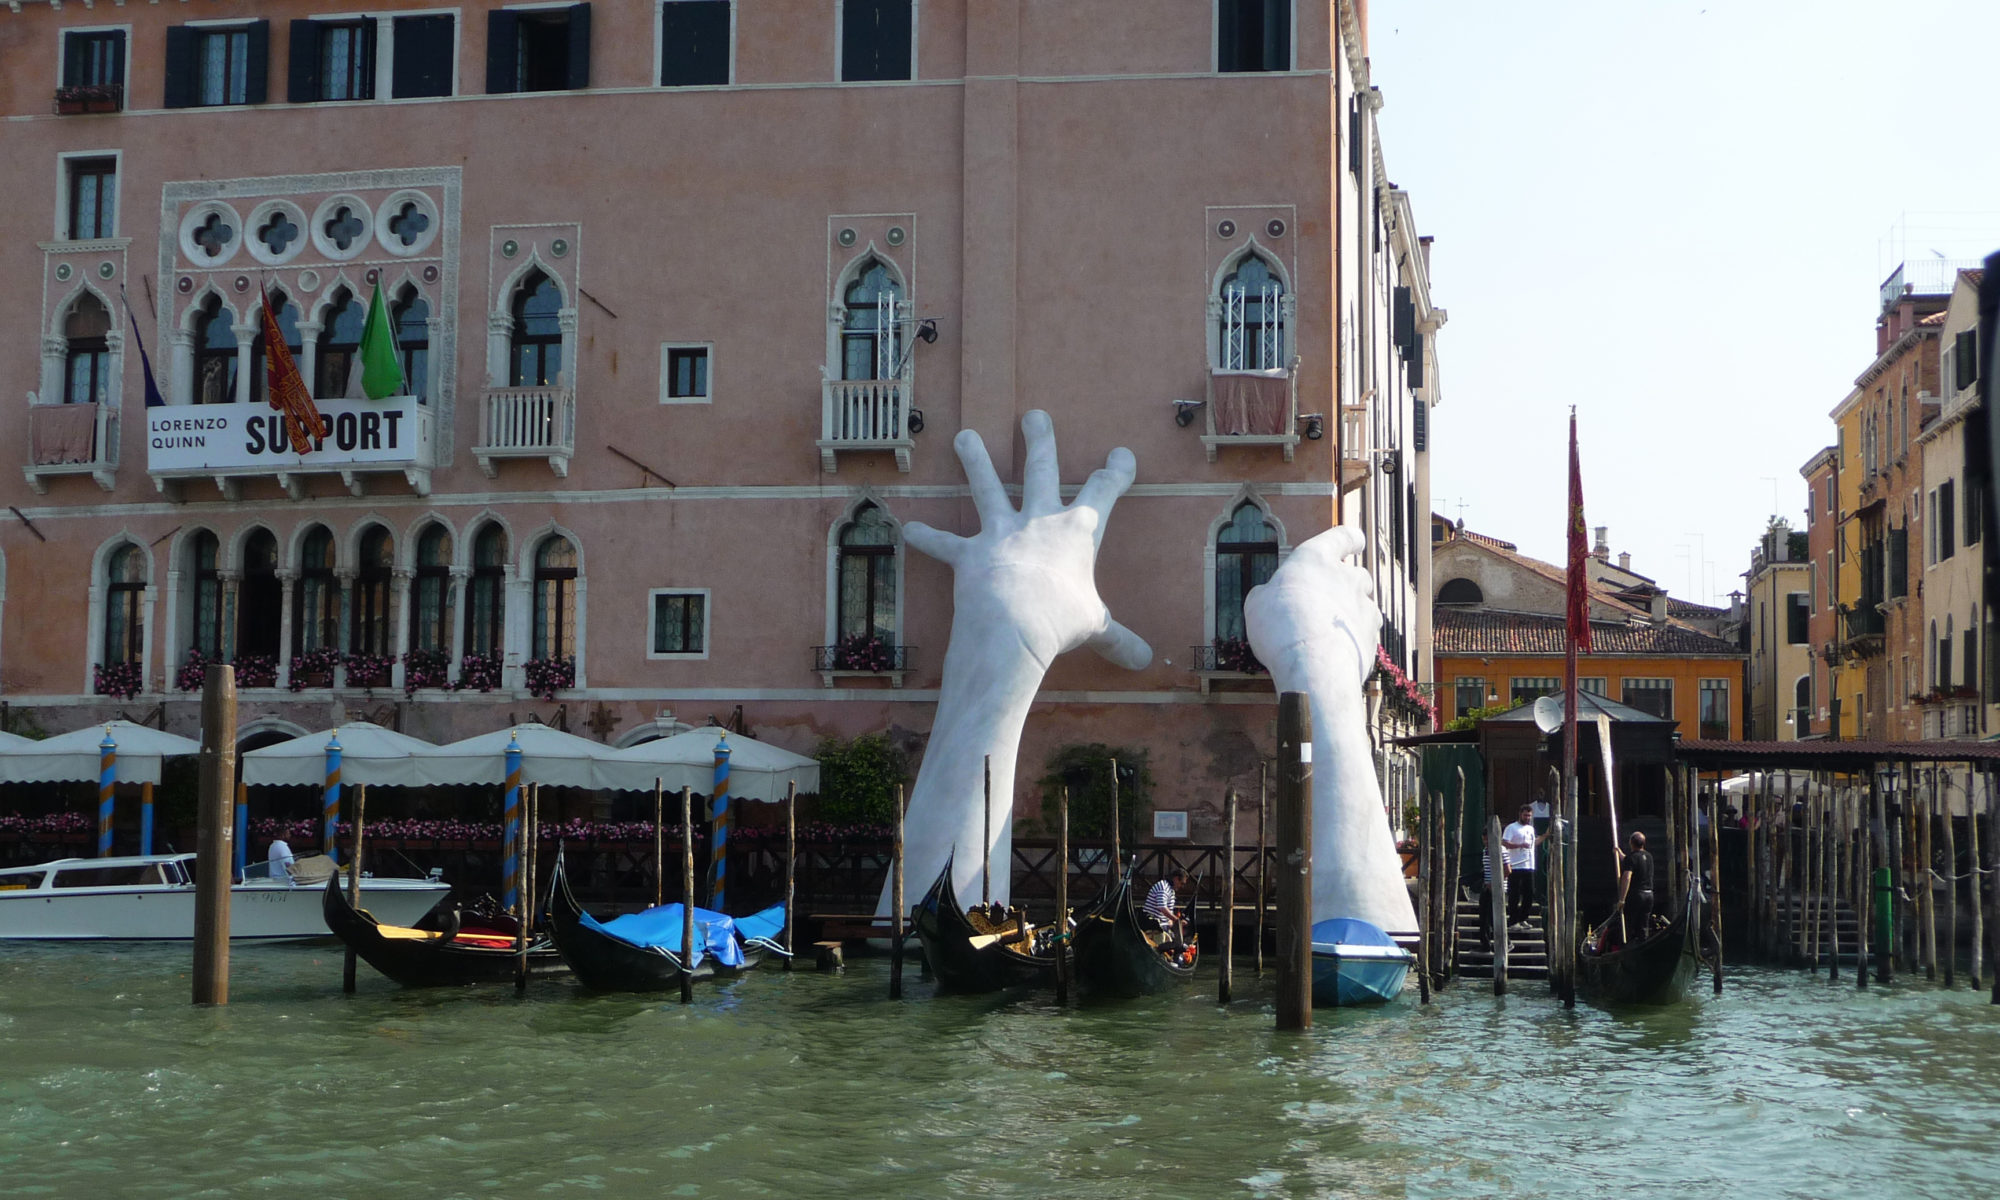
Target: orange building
{"points": [[1498, 638]]}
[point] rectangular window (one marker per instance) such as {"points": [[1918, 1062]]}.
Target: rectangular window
{"points": [[877, 40], [1798, 611], [211, 65], [1715, 709], [684, 373], [1975, 509], [680, 624], [93, 199], [694, 43], [1947, 521], [424, 56], [1526, 689], [1253, 35], [538, 49], [1593, 685], [1964, 371], [1467, 693], [93, 71], [1655, 696], [331, 60]]}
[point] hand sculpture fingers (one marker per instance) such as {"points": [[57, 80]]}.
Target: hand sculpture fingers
{"points": [[1104, 486], [1121, 646], [987, 495], [1324, 551], [1041, 487], [945, 547]]}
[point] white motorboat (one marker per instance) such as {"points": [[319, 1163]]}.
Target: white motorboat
{"points": [[151, 897]]}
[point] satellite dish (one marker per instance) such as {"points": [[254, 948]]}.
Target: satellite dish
{"points": [[1548, 714]]}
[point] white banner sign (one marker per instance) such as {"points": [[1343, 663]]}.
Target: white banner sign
{"points": [[233, 437]]}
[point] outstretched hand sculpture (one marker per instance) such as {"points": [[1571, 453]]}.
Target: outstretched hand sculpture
{"points": [[1314, 626], [1023, 591]]}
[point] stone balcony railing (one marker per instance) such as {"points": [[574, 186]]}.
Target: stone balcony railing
{"points": [[527, 422], [72, 439], [866, 414]]}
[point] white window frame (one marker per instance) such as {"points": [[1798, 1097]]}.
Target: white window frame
{"points": [[659, 49], [666, 367], [62, 49], [652, 616], [63, 160]]}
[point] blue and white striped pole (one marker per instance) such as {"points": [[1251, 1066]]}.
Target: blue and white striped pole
{"points": [[330, 806], [107, 778], [718, 813], [510, 845]]}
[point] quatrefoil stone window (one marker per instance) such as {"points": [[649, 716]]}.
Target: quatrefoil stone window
{"points": [[344, 228], [214, 235], [409, 224], [278, 233]]}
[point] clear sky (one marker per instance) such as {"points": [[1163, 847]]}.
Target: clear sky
{"points": [[1673, 215]]}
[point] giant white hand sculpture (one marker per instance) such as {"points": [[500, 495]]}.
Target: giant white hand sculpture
{"points": [[1314, 625], [1023, 591]]}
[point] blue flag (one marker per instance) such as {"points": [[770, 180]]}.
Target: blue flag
{"points": [[153, 398]]}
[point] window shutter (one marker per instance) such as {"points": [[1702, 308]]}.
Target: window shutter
{"points": [[1967, 354], [1228, 50], [302, 69], [257, 67], [1277, 46], [1420, 430], [117, 37], [423, 56], [72, 70], [694, 43], [1417, 363], [503, 51], [579, 46], [180, 67], [1405, 317]]}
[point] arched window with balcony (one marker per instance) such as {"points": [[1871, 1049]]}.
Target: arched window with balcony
{"points": [[866, 577], [259, 600], [204, 594], [555, 578], [486, 595], [316, 600], [87, 355], [430, 589], [339, 345], [1246, 554], [287, 316], [368, 622], [215, 355], [124, 594], [870, 331], [1251, 330], [411, 317], [535, 357]]}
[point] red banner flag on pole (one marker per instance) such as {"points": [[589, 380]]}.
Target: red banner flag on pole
{"points": [[1579, 551], [286, 389]]}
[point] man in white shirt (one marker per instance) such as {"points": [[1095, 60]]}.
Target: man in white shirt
{"points": [[1517, 845], [280, 860]]}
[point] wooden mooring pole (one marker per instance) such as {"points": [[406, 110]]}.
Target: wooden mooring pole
{"points": [[526, 933], [354, 880], [214, 834], [896, 906], [1062, 895], [1495, 856], [1117, 843], [1972, 859], [687, 895], [1456, 872], [660, 847], [791, 863], [1425, 940], [1943, 801], [1228, 931], [986, 837], [1263, 854], [1293, 1002], [1714, 877]]}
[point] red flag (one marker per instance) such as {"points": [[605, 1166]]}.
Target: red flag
{"points": [[286, 389], [1579, 550]]}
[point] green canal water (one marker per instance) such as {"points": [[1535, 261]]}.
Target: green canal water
{"points": [[111, 1085]]}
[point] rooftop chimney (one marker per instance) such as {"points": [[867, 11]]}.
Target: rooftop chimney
{"points": [[1603, 548], [1624, 560], [1658, 607]]}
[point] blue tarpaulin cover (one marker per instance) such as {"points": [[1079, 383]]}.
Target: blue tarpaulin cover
{"points": [[660, 929], [767, 927], [1350, 933]]}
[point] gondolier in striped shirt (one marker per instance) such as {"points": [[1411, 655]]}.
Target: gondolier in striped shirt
{"points": [[1162, 903]]}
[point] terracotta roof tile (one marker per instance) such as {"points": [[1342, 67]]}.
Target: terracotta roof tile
{"points": [[1469, 631], [1688, 608], [1936, 318]]}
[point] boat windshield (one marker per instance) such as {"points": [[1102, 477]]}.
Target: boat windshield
{"points": [[132, 875]]}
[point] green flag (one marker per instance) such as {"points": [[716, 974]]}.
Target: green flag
{"points": [[381, 365]]}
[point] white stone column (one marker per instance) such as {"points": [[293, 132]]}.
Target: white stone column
{"points": [[499, 344], [454, 635], [55, 360], [398, 617], [344, 622], [146, 596], [180, 367], [286, 580], [309, 355], [226, 643], [94, 639], [519, 643], [170, 633], [246, 337], [582, 592]]}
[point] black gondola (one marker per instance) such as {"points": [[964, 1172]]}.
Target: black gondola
{"points": [[459, 953], [969, 952], [1653, 970], [1119, 954], [605, 963]]}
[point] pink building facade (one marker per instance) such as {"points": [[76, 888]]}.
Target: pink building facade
{"points": [[691, 298]]}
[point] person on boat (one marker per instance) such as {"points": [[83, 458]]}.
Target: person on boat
{"points": [[1517, 844], [1635, 886], [1162, 903], [280, 859]]}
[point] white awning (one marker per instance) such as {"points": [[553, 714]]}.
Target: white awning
{"points": [[757, 770], [368, 754], [75, 756], [548, 756]]}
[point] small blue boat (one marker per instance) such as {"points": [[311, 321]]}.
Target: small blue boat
{"points": [[1356, 962]]}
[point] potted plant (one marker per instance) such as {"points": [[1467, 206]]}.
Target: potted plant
{"points": [[369, 670], [479, 672], [863, 652], [88, 98], [314, 668], [547, 676], [256, 671], [123, 680], [426, 669], [1234, 654]]}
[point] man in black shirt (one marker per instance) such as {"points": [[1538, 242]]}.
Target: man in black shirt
{"points": [[1635, 887]]}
